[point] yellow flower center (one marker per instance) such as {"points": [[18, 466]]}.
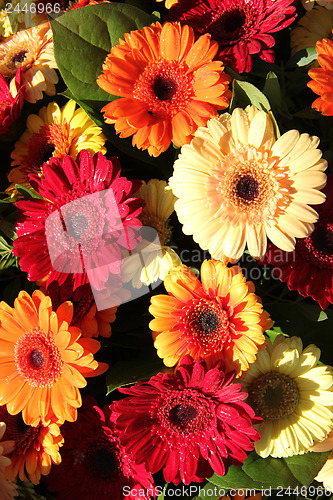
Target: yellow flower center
{"points": [[273, 396]]}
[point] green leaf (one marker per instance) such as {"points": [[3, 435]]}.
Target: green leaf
{"points": [[272, 91], [26, 192], [245, 93], [306, 467], [302, 57], [7, 259], [27, 491], [259, 473], [141, 369], [84, 37]]}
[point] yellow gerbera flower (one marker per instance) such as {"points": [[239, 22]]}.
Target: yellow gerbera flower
{"points": [[16, 16], [311, 28], [325, 475], [292, 394], [237, 184], [217, 318], [31, 50], [150, 261], [55, 132]]}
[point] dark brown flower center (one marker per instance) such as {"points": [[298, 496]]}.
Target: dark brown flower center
{"points": [[36, 358], [318, 248], [104, 461], [47, 153], [19, 57], [247, 188], [209, 321], [322, 238], [232, 21], [165, 88], [182, 415], [273, 396]]}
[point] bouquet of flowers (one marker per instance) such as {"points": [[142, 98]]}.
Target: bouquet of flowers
{"points": [[166, 249]]}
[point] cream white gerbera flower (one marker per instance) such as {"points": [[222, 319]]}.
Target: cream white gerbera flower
{"points": [[238, 184], [294, 396], [325, 475], [32, 50], [152, 260], [311, 28]]}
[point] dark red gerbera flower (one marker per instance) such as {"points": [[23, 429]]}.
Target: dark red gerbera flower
{"points": [[309, 268], [241, 27], [79, 232], [10, 107], [191, 423], [94, 465]]}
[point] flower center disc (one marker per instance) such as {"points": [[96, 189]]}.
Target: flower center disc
{"points": [[38, 359], [184, 412], [247, 188], [273, 396], [105, 462], [318, 248], [207, 325], [164, 88]]}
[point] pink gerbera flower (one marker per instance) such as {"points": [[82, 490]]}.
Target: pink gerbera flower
{"points": [[77, 233], [94, 464], [241, 27], [309, 268], [191, 423]]}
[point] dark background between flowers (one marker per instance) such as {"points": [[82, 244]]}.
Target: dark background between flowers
{"points": [[279, 88]]}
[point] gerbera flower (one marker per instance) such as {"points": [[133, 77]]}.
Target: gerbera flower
{"points": [[44, 360], [191, 423], [31, 50], [168, 3], [311, 28], [7, 488], [158, 259], [309, 269], [219, 318], [94, 464], [308, 4], [325, 475], [99, 213], [53, 133], [36, 448], [10, 108], [18, 18], [292, 394], [169, 85], [242, 28], [237, 184], [322, 77]]}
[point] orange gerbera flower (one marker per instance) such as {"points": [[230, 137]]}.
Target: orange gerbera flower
{"points": [[321, 82], [219, 318], [44, 360], [170, 85], [36, 448]]}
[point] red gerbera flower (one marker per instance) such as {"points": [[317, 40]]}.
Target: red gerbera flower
{"points": [[10, 107], [241, 27], [94, 465], [309, 268], [77, 233], [191, 423]]}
